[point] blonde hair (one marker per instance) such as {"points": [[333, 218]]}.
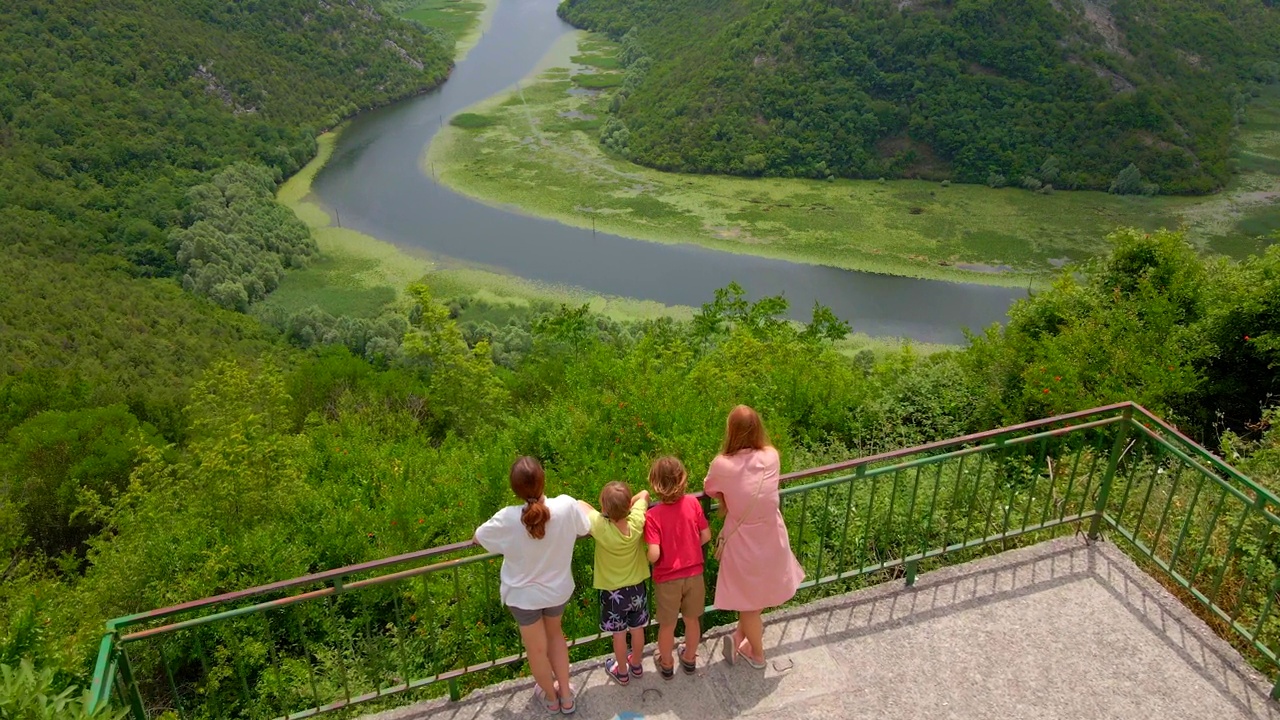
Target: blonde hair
{"points": [[743, 430], [615, 500], [668, 478]]}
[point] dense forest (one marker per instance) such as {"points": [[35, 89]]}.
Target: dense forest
{"points": [[1035, 93], [283, 462], [111, 111], [158, 445], [120, 122]]}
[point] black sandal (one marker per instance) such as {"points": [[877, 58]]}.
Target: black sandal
{"points": [[689, 668], [667, 673]]}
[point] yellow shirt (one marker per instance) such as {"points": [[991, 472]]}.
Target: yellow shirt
{"points": [[620, 559]]}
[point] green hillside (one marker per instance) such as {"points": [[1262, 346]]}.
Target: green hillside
{"points": [[120, 124], [110, 110], [1037, 92]]}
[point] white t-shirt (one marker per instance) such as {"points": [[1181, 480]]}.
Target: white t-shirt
{"points": [[536, 574]]}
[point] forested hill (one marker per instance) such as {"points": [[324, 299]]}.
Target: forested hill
{"points": [[972, 90], [111, 109]]}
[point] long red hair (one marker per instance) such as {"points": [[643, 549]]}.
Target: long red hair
{"points": [[528, 482], [743, 430]]}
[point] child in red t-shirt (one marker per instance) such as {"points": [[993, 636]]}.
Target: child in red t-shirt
{"points": [[676, 529]]}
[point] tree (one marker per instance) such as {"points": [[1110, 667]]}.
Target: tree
{"points": [[1129, 182], [464, 394]]}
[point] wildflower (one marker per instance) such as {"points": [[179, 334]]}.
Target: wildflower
{"points": [[393, 522], [1046, 391], [1057, 378], [419, 521]]}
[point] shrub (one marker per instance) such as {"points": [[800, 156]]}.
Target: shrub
{"points": [[29, 695], [1129, 182], [471, 121]]}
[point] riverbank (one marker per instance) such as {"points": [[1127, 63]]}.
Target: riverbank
{"points": [[359, 275], [537, 149], [463, 20]]}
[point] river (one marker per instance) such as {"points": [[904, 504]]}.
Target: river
{"points": [[374, 184]]}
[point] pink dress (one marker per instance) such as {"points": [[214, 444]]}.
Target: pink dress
{"points": [[757, 570]]}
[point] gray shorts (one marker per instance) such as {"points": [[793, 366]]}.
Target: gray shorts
{"points": [[529, 617]]}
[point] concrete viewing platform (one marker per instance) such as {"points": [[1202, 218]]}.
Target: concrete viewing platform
{"points": [[1063, 629]]}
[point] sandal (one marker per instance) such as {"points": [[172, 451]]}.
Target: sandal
{"points": [[667, 673], [637, 669], [569, 709], [612, 666], [689, 668], [732, 653], [572, 706], [550, 705]]}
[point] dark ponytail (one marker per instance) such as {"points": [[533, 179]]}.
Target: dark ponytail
{"points": [[528, 482]]}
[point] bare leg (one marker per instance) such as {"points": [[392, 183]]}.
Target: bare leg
{"points": [[637, 645], [751, 629], [535, 646], [692, 636], [666, 644], [558, 654], [620, 649]]}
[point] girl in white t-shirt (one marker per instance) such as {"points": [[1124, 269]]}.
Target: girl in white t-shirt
{"points": [[536, 541]]}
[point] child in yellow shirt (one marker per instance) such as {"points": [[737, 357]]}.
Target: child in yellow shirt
{"points": [[621, 569]]}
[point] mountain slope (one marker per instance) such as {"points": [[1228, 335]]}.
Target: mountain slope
{"points": [[110, 110], [962, 89]]}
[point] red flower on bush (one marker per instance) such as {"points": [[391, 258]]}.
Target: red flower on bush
{"points": [[1046, 391]]}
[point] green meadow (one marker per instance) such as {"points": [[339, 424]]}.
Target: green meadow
{"points": [[537, 148], [463, 20]]}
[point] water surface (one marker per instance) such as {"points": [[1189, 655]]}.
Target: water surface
{"points": [[374, 184]]}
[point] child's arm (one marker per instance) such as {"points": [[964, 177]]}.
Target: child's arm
{"points": [[642, 495], [655, 552], [705, 537], [586, 507]]}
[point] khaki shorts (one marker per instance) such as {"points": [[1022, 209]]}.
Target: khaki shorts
{"points": [[686, 596]]}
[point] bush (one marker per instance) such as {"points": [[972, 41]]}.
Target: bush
{"points": [[471, 121], [1129, 182], [57, 463], [29, 695], [996, 180]]}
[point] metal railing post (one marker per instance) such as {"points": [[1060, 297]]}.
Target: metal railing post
{"points": [[130, 686], [1104, 488]]}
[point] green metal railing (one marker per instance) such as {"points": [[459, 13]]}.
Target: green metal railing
{"points": [[431, 621]]}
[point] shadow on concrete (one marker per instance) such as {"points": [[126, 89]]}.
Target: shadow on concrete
{"points": [[1061, 629]]}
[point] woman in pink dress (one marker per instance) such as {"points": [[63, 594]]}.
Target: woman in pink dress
{"points": [[757, 568]]}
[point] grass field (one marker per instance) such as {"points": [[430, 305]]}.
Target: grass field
{"points": [[463, 20], [537, 148]]}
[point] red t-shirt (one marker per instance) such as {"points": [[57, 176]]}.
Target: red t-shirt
{"points": [[677, 529]]}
